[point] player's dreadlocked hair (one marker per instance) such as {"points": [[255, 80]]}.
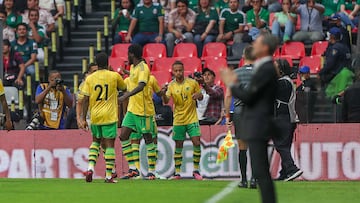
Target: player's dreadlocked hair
{"points": [[136, 49]]}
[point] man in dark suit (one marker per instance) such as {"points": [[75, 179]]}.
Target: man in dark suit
{"points": [[259, 97]]}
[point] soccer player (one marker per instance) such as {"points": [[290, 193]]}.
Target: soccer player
{"points": [[8, 124], [140, 112], [185, 92], [100, 90]]}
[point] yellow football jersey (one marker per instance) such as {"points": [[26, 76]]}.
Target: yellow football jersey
{"points": [[2, 91], [141, 103], [184, 105], [102, 88]]}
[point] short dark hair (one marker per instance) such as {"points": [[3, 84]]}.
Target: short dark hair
{"points": [[90, 65], [22, 24], [33, 10], [136, 49], [186, 2], [6, 42], [102, 60], [248, 55], [284, 67], [208, 70], [177, 63], [3, 12], [53, 72], [271, 41]]}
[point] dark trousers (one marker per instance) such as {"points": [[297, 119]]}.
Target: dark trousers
{"points": [[260, 167], [283, 141]]}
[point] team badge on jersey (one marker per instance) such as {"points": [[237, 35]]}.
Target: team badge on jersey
{"points": [[154, 11], [235, 19]]}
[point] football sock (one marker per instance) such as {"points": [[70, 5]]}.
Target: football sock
{"points": [[243, 164], [135, 155], [196, 157], [178, 159], [156, 152], [127, 152], [151, 156], [93, 155], [109, 161]]}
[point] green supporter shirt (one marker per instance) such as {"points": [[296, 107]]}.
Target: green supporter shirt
{"points": [[13, 20], [41, 31], [221, 5], [232, 19], [331, 6], [25, 50], [263, 14], [148, 17], [206, 17], [348, 4], [124, 22], [282, 17], [193, 4]]}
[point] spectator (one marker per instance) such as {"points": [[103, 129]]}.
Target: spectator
{"points": [[349, 18], [193, 5], [221, 4], [257, 18], [151, 24], [335, 21], [181, 24], [45, 17], [306, 95], [14, 67], [232, 23], [13, 19], [205, 29], [337, 56], [121, 20], [52, 99], [20, 6], [274, 6], [331, 7], [26, 47], [210, 107], [164, 114], [351, 102], [311, 21], [168, 6], [284, 22], [247, 6], [36, 32], [55, 7], [8, 33]]}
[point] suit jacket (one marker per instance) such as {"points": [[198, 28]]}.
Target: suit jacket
{"points": [[259, 97]]}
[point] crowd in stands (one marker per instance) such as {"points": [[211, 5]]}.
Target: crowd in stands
{"points": [[27, 25]]}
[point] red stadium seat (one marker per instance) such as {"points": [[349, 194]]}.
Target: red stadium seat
{"points": [[214, 49], [215, 64], [117, 63], [314, 63], [319, 48], [192, 64], [162, 77], [288, 58], [185, 50], [163, 64], [153, 51], [295, 50], [120, 51]]}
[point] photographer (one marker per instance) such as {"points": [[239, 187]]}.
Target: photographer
{"points": [[209, 109], [7, 124], [52, 98]]}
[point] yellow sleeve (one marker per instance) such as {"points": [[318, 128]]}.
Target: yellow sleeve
{"points": [[2, 91], [169, 91], [85, 88], [155, 85], [120, 83], [144, 74], [196, 87]]}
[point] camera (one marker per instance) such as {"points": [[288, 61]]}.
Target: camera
{"points": [[35, 122], [197, 74], [59, 81]]}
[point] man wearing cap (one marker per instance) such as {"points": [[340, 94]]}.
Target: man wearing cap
{"points": [[209, 109], [337, 56], [335, 21], [306, 95]]}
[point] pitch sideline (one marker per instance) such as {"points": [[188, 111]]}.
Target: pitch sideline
{"points": [[220, 195]]}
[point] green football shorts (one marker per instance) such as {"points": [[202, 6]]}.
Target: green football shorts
{"points": [[139, 124], [138, 136], [108, 131], [179, 131]]}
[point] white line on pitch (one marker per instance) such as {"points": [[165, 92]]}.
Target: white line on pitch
{"points": [[220, 195]]}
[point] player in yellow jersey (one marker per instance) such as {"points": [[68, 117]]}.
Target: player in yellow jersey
{"points": [[8, 123], [100, 90], [140, 112], [184, 92]]}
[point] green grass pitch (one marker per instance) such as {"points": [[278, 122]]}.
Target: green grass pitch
{"points": [[169, 191]]}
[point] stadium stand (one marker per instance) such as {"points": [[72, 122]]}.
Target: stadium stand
{"points": [[214, 50], [184, 50]]}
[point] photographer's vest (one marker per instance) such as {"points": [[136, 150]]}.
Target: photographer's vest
{"points": [[291, 103], [52, 107]]}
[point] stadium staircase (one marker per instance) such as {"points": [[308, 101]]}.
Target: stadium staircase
{"points": [[81, 39]]}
